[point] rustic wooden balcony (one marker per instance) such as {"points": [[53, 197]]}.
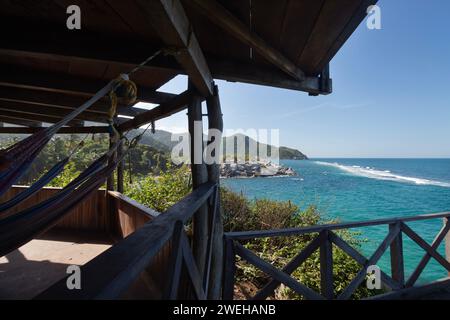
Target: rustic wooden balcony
{"points": [[128, 251]]}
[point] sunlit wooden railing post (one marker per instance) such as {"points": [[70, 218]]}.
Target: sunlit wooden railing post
{"points": [[397, 263]]}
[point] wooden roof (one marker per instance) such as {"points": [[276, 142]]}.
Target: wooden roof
{"points": [[281, 43]]}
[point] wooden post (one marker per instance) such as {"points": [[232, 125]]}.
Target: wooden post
{"points": [[110, 181], [120, 170], [110, 202], [447, 243], [326, 266], [215, 121], [397, 265], [230, 270], [199, 176]]}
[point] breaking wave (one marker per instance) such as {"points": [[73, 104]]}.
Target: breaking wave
{"points": [[369, 172]]}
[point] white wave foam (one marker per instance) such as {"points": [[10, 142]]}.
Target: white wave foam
{"points": [[384, 175]]}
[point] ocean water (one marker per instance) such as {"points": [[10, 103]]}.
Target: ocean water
{"points": [[364, 189]]}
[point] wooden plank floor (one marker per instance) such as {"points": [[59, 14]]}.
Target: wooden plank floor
{"points": [[41, 262]]}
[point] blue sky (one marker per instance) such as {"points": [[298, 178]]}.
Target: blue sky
{"points": [[390, 93]]}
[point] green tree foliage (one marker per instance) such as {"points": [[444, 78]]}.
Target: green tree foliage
{"points": [[162, 191], [144, 160]]}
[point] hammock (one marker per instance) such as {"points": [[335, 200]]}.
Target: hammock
{"points": [[28, 192], [23, 226], [15, 160], [40, 183]]}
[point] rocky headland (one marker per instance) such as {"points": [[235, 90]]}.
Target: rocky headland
{"points": [[250, 170]]}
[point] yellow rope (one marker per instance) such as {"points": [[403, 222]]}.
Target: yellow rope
{"points": [[128, 97]]}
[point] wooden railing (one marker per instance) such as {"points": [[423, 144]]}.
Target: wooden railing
{"points": [[325, 239], [129, 214], [112, 273]]}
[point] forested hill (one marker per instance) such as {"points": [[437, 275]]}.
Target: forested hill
{"points": [[150, 156], [162, 140]]}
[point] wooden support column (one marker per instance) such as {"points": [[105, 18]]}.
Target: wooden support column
{"points": [[215, 121], [199, 176], [110, 181], [447, 243], [120, 170], [110, 187], [326, 266], [397, 264]]}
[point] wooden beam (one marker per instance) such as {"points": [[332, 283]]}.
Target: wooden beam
{"points": [[64, 83], [360, 259], [175, 265], [25, 123], [425, 246], [69, 102], [222, 17], [265, 76], [37, 118], [250, 235], [63, 130], [45, 40], [276, 274], [194, 274], [426, 258], [31, 110], [354, 284], [350, 27], [301, 257], [220, 69], [170, 21], [175, 105]]}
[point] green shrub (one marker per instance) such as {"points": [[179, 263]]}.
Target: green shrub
{"points": [[66, 176], [163, 191]]}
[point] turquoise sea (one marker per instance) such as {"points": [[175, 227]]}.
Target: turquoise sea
{"points": [[363, 189]]}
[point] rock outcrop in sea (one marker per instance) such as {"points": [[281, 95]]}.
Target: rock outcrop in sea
{"points": [[250, 170]]}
